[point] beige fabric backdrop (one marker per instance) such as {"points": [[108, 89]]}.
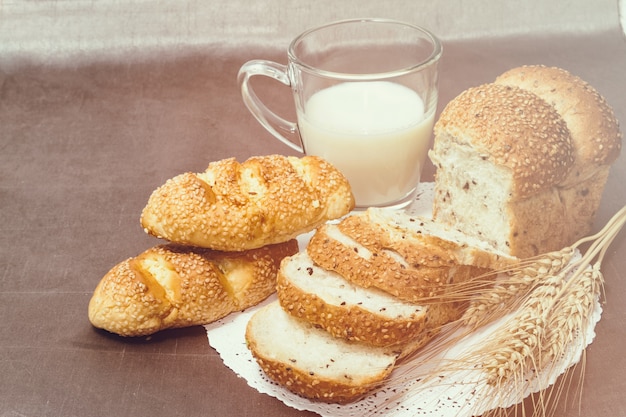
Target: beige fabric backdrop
{"points": [[53, 29]]}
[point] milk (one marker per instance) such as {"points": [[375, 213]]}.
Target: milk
{"points": [[375, 133]]}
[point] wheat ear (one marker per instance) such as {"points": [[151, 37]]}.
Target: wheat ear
{"points": [[571, 313], [551, 297], [564, 300], [512, 286], [514, 346]]}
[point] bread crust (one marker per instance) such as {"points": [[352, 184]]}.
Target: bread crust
{"points": [[301, 382], [515, 129], [171, 286], [592, 123], [236, 206]]}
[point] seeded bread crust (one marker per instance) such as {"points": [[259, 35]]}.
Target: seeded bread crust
{"points": [[236, 206], [171, 286], [591, 121]]}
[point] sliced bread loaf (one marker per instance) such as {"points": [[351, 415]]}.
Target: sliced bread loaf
{"points": [[595, 134], [500, 151]]}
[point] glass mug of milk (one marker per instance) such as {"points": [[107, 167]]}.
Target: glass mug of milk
{"points": [[365, 94]]}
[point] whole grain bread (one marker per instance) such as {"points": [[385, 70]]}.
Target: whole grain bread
{"points": [[504, 159]]}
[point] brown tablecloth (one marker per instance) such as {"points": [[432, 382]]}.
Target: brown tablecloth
{"points": [[85, 140]]}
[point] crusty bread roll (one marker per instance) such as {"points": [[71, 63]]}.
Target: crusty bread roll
{"points": [[312, 363], [236, 206], [408, 257], [176, 286], [355, 313]]}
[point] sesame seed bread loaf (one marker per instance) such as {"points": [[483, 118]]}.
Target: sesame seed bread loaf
{"points": [[408, 257], [522, 162], [352, 312], [236, 206], [594, 132], [170, 286], [500, 153], [310, 361]]}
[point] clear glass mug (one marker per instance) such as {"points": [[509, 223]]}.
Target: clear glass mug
{"points": [[365, 93]]}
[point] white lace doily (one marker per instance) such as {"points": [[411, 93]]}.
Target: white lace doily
{"points": [[452, 393]]}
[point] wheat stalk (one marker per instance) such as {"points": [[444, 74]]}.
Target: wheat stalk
{"points": [[515, 344], [552, 297], [559, 307]]}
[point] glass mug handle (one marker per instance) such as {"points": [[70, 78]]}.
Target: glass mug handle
{"points": [[268, 119]]}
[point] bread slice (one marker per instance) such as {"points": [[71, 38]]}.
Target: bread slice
{"points": [[312, 363], [396, 253], [416, 238], [369, 291], [234, 206], [354, 313]]}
